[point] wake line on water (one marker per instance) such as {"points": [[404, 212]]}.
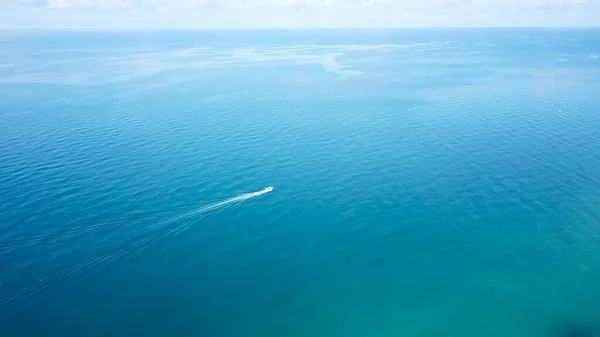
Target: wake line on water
{"points": [[42, 283], [92, 228], [242, 197]]}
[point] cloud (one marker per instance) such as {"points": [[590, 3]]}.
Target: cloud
{"points": [[216, 14], [106, 4], [369, 3], [92, 4], [266, 4]]}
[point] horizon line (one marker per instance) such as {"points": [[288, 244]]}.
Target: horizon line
{"points": [[298, 28]]}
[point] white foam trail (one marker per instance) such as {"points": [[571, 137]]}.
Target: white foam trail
{"points": [[244, 196], [42, 283], [84, 230]]}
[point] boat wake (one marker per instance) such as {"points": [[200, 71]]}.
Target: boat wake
{"points": [[23, 243], [242, 197], [44, 282]]}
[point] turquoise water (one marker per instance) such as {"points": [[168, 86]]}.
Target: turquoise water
{"points": [[427, 183]]}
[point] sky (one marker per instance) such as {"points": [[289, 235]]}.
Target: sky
{"points": [[234, 14]]}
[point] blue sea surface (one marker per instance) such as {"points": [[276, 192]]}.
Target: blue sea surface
{"points": [[428, 182]]}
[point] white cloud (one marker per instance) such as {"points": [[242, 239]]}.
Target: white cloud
{"points": [[92, 4], [185, 14], [369, 3], [258, 4]]}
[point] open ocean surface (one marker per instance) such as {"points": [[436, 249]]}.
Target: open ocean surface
{"points": [[428, 182]]}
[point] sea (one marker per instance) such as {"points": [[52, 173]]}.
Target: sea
{"points": [[426, 182]]}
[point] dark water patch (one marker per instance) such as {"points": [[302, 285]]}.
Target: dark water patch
{"points": [[576, 331]]}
